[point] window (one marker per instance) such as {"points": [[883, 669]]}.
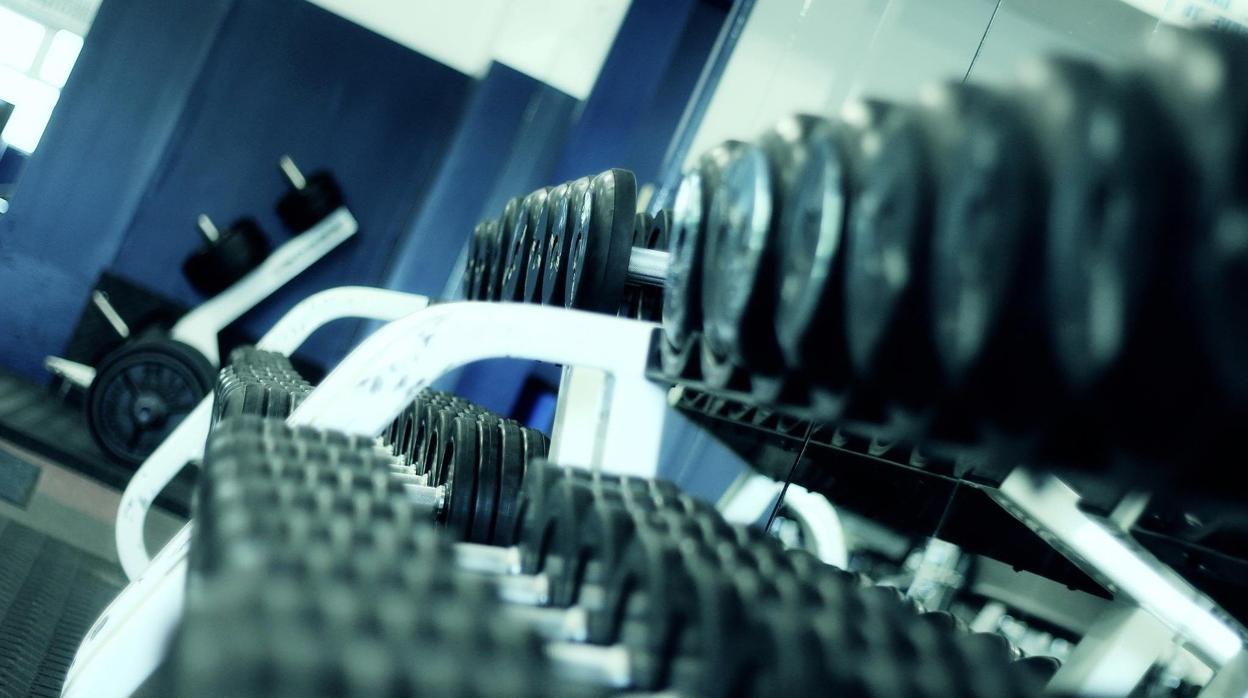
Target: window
{"points": [[35, 61]]}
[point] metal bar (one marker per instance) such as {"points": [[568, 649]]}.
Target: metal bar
{"points": [[648, 267], [1050, 507]]}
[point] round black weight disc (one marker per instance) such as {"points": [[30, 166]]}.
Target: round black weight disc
{"points": [[512, 215], [556, 200], [141, 392], [887, 256], [986, 299], [737, 232], [1110, 213], [472, 264], [1200, 74], [460, 452], [742, 250], [812, 233], [602, 243], [511, 464], [518, 242], [213, 268], [301, 209], [485, 507], [491, 261], [566, 212], [682, 289]]}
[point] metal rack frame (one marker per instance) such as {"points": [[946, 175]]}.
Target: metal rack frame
{"points": [[610, 418]]}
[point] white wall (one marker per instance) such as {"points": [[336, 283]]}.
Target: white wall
{"points": [[561, 42], [814, 55]]}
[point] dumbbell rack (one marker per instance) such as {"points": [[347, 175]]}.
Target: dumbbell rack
{"points": [[1152, 601], [385, 373]]}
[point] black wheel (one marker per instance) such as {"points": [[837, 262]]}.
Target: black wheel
{"points": [[301, 209], [215, 267], [141, 392]]}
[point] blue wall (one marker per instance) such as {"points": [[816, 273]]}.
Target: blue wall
{"points": [[180, 108]]}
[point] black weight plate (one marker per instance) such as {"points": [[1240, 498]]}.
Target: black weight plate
{"points": [[987, 302], [741, 254], [460, 453], [491, 261], [301, 209], [518, 242], [887, 256], [1199, 75], [141, 392], [601, 243], [215, 267], [810, 310], [485, 507], [556, 201], [682, 290], [512, 215], [472, 269], [566, 212], [1111, 213], [511, 464]]}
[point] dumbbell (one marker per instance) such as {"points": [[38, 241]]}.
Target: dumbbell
{"points": [[309, 200], [358, 528], [226, 256], [678, 582], [571, 245], [682, 287]]}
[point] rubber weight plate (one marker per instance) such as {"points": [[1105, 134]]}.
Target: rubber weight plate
{"points": [[140, 394], [601, 243], [513, 215], [491, 261], [1111, 212], [215, 267], [887, 255], [511, 480], [485, 507], [556, 197], [518, 242], [1199, 75], [472, 263], [739, 282], [810, 311], [459, 449], [301, 209], [682, 290], [566, 212], [987, 303]]}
